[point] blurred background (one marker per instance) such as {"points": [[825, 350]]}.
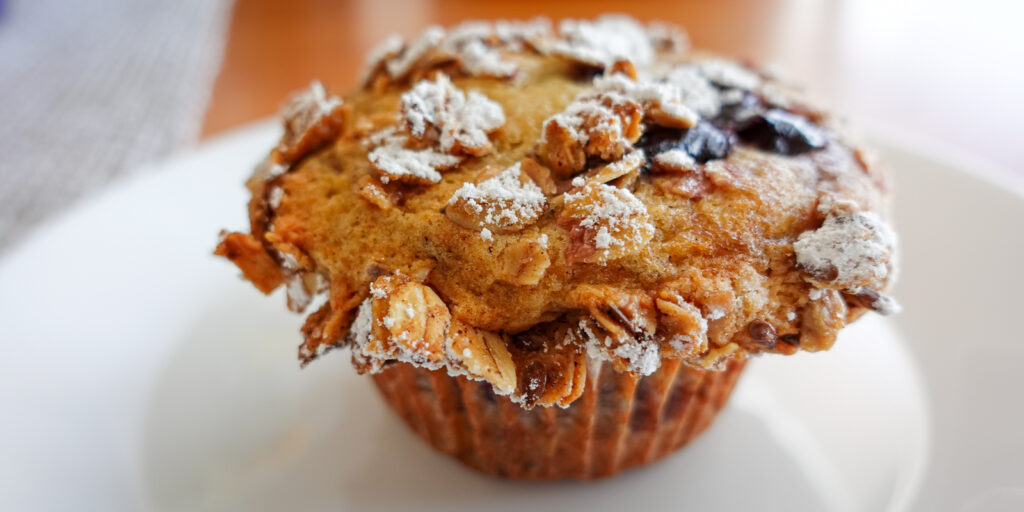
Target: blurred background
{"points": [[93, 90]]}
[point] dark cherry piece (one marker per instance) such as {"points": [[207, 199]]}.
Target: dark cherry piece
{"points": [[703, 142], [706, 142], [784, 133], [736, 116]]}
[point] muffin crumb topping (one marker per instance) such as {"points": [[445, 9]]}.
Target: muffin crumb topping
{"points": [[311, 119], [421, 166], [438, 112], [503, 202], [849, 250], [602, 42], [605, 223]]}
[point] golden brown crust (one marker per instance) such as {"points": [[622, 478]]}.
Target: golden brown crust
{"points": [[495, 184]]}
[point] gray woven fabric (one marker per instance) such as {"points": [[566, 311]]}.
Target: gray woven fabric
{"points": [[92, 89]]}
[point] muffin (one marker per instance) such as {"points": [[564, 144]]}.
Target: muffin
{"points": [[555, 249]]}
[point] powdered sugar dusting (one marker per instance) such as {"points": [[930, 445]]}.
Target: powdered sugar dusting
{"points": [[387, 48], [396, 162], [480, 59], [502, 200], [676, 159], [475, 45], [311, 118], [429, 39], [665, 96], [616, 217], [602, 42], [298, 297], [360, 332], [728, 74], [641, 356], [695, 91], [459, 120], [311, 104], [275, 169], [574, 119], [855, 246], [515, 33], [274, 197], [613, 206]]}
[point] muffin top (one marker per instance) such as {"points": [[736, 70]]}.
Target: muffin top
{"points": [[508, 200]]}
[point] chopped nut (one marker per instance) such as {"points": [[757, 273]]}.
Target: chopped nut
{"points": [[412, 323], [662, 102], [472, 48], [621, 313], [685, 327], [414, 52], [600, 126], [311, 119], [605, 223], [602, 42], [579, 380], [506, 202], [638, 356], [458, 123], [562, 148], [540, 175], [483, 355], [621, 327], [252, 259], [524, 262], [630, 162], [849, 250], [418, 167], [376, 193]]}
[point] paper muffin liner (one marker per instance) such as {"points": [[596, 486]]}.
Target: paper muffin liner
{"points": [[619, 421]]}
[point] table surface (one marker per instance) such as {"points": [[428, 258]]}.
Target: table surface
{"points": [[942, 73]]}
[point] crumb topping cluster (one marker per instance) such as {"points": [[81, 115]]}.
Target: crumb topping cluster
{"points": [[507, 201]]}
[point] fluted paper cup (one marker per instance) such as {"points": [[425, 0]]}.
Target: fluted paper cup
{"points": [[617, 423]]}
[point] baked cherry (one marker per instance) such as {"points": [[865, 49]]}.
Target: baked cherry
{"points": [[703, 142], [784, 133]]}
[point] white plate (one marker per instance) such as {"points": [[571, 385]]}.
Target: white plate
{"points": [[138, 372]]}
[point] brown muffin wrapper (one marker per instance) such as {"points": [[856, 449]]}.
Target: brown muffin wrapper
{"points": [[618, 422]]}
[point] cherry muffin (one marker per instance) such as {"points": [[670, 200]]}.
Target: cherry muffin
{"points": [[554, 249]]}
